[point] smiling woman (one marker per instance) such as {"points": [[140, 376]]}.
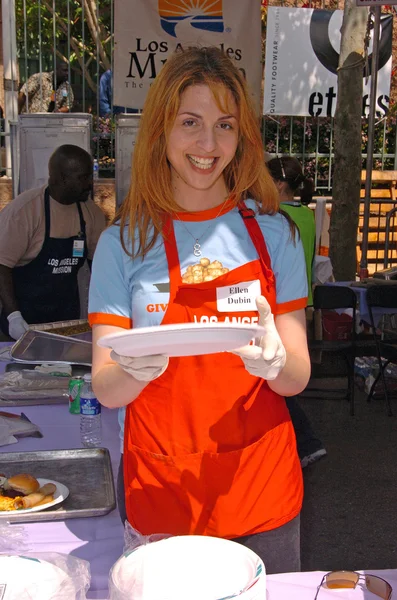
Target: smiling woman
{"points": [[208, 445]]}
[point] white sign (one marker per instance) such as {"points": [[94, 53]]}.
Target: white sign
{"points": [[147, 32], [302, 55], [238, 298]]}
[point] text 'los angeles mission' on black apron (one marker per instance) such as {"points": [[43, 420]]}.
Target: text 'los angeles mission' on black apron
{"points": [[46, 289]]}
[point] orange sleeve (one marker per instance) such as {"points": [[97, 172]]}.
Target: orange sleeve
{"points": [[108, 319], [287, 307]]}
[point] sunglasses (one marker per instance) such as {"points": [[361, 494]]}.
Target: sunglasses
{"points": [[337, 580]]}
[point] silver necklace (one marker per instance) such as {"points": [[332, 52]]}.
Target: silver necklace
{"points": [[196, 245]]}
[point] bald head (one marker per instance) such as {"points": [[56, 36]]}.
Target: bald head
{"points": [[70, 174], [66, 157]]}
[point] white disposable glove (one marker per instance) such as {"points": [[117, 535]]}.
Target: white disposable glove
{"points": [[142, 368], [17, 325], [267, 357]]}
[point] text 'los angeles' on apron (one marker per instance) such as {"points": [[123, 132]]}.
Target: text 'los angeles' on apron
{"points": [[47, 288], [208, 448]]}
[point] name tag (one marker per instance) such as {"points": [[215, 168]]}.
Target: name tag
{"points": [[239, 297], [78, 248]]}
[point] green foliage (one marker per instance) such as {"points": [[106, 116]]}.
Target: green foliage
{"points": [[46, 26]]}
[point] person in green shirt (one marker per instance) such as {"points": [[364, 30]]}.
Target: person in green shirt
{"points": [[289, 178]]}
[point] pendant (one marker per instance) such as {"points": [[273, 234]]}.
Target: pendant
{"points": [[197, 249]]}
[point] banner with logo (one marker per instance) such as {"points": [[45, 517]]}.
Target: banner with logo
{"points": [[147, 33], [302, 55]]}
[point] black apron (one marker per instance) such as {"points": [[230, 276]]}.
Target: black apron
{"points": [[46, 289]]}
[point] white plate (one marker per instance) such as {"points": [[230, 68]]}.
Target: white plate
{"points": [[174, 567], [30, 578], [185, 339], [60, 495]]}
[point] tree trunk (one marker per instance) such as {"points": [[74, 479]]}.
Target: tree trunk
{"points": [[348, 161]]}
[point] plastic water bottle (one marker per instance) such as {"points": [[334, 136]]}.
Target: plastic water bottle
{"points": [[96, 169], [90, 416]]}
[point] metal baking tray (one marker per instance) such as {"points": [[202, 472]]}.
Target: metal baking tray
{"points": [[77, 370], [49, 327], [58, 324], [37, 401], [86, 472], [39, 347]]}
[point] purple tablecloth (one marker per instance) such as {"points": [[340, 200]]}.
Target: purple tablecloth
{"points": [[97, 539], [100, 539]]}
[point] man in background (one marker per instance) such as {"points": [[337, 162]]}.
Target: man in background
{"points": [[106, 95], [47, 234], [37, 95]]}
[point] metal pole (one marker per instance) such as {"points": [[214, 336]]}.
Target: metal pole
{"points": [[54, 41], [25, 43], [14, 141], [10, 70], [40, 56], [370, 149]]}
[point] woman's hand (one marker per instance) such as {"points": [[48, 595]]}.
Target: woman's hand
{"points": [[113, 385], [143, 368], [268, 356]]}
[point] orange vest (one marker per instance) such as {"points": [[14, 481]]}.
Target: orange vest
{"points": [[208, 448]]}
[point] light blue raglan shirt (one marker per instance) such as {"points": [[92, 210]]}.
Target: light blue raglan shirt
{"points": [[134, 293]]}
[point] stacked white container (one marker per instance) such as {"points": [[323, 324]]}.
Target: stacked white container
{"points": [[194, 567]]}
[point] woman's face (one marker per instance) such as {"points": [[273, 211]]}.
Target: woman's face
{"points": [[203, 140]]}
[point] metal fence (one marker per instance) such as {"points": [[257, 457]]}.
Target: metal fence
{"points": [[311, 140], [79, 33]]}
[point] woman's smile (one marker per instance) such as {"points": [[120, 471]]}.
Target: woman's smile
{"points": [[206, 165]]}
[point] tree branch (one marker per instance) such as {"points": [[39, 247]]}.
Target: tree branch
{"points": [[95, 28]]}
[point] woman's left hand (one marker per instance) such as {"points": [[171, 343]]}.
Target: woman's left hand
{"points": [[267, 357]]}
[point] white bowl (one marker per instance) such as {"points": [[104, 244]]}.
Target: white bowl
{"points": [[193, 567]]}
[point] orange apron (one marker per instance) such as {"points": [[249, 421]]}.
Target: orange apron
{"points": [[208, 448]]}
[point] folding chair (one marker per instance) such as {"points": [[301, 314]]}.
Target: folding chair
{"points": [[382, 296], [329, 297]]}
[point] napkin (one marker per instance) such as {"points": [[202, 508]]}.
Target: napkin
{"points": [[5, 433], [59, 369], [15, 426]]}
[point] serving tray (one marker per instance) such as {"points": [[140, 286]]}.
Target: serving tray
{"points": [[87, 472], [39, 347]]}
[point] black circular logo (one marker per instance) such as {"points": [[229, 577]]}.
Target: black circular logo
{"points": [[325, 52]]}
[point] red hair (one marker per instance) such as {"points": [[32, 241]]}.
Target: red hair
{"points": [[150, 195]]}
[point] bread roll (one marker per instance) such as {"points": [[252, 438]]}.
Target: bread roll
{"points": [[23, 483]]}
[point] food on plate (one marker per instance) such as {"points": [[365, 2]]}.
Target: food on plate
{"points": [[47, 489], [205, 270], [23, 491], [23, 483], [45, 500], [31, 500], [7, 503]]}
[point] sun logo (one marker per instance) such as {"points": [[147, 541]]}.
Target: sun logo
{"points": [[201, 14]]}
